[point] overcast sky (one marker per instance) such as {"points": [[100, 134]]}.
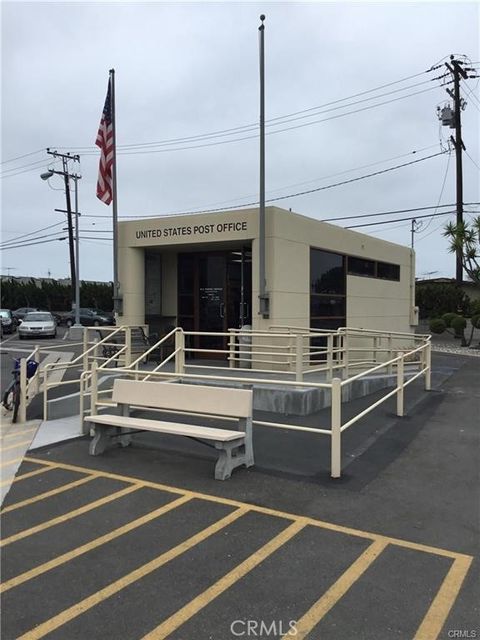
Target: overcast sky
{"points": [[186, 69]]}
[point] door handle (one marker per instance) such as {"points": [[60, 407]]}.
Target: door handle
{"points": [[222, 309]]}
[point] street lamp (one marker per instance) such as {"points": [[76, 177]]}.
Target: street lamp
{"points": [[74, 263]]}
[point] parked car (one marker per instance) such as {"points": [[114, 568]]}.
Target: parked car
{"points": [[9, 323], [91, 318], [38, 323], [19, 314]]}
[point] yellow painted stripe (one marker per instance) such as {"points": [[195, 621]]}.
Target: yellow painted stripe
{"points": [[68, 516], [93, 544], [194, 606], [437, 614], [258, 509], [49, 494], [338, 589], [23, 476], [16, 446], [19, 433], [72, 612]]}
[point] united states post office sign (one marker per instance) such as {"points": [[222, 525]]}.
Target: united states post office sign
{"points": [[217, 230]]}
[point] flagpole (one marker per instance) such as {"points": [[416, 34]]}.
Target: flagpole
{"points": [[263, 295], [116, 297]]}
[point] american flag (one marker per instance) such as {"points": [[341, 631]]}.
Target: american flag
{"points": [[105, 142]]}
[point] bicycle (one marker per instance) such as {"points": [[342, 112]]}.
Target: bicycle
{"points": [[11, 396]]}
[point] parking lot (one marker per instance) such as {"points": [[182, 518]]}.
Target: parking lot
{"points": [[91, 554], [143, 543]]}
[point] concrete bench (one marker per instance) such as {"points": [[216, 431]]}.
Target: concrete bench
{"points": [[234, 446]]}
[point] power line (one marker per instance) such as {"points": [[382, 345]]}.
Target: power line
{"points": [[466, 152], [50, 226], [254, 125], [7, 243], [441, 193], [21, 246], [372, 224], [383, 213], [25, 155], [269, 133], [291, 195]]}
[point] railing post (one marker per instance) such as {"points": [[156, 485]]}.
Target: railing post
{"points": [[336, 437], [231, 343], [299, 358], [375, 347], [128, 344], [45, 391], [85, 349], [180, 352], [94, 389], [36, 357], [390, 355], [329, 357], [428, 366], [345, 344], [22, 410], [400, 380]]}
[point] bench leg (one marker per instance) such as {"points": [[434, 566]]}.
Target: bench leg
{"points": [[125, 439], [231, 455], [100, 440]]}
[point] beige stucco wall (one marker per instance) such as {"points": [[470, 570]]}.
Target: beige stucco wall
{"points": [[371, 303]]}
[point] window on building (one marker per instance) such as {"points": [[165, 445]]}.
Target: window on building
{"points": [[327, 293], [361, 267], [388, 271]]}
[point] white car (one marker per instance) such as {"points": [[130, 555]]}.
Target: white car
{"points": [[38, 323]]}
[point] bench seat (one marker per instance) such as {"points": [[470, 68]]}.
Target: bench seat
{"points": [[235, 448], [173, 428]]}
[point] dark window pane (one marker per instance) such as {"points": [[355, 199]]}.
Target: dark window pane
{"points": [[327, 272], [361, 267], [185, 305], [388, 271], [327, 306], [185, 273], [330, 323]]}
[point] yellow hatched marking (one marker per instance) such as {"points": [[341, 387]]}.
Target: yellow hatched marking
{"points": [[48, 494], [93, 544], [194, 606], [15, 446], [22, 432], [258, 509], [26, 475], [72, 612], [69, 515], [329, 599], [437, 614]]}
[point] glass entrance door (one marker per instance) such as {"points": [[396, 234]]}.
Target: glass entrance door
{"points": [[214, 294]]}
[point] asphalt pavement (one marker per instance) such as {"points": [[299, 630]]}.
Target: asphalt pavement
{"points": [[143, 543]]}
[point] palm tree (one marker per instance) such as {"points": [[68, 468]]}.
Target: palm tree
{"points": [[465, 237]]}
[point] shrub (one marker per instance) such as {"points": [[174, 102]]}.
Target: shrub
{"points": [[458, 324], [437, 298], [475, 307], [437, 325], [475, 320], [448, 318]]}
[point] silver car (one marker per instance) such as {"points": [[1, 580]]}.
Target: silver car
{"points": [[38, 323]]}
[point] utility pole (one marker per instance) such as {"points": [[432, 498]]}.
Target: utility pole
{"points": [[74, 276], [458, 71], [451, 117]]}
